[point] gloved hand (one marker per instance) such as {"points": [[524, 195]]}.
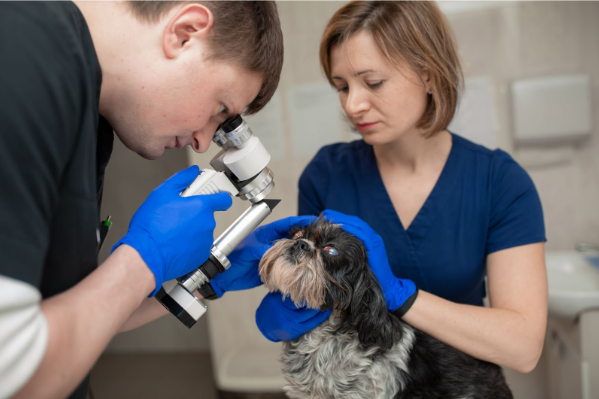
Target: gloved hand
{"points": [[174, 234], [243, 273], [279, 319], [396, 290]]}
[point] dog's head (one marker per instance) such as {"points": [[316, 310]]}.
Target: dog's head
{"points": [[321, 266]]}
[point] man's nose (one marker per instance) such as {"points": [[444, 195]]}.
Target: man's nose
{"points": [[201, 140]]}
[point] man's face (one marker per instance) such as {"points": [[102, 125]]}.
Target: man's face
{"points": [[173, 107]]}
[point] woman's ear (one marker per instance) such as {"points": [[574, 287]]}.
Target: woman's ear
{"points": [[189, 24], [425, 77]]}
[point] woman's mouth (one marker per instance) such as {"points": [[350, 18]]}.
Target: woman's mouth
{"points": [[366, 126]]}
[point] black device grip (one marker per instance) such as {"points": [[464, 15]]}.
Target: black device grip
{"points": [[212, 267], [207, 292]]}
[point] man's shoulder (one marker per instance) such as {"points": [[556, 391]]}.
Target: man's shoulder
{"points": [[44, 15]]}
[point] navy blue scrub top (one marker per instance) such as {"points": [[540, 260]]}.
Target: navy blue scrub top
{"points": [[482, 202]]}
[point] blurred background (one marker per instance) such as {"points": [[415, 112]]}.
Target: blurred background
{"points": [[532, 89]]}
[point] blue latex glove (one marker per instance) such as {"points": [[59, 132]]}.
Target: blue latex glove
{"points": [[396, 290], [243, 273], [279, 319], [174, 234]]}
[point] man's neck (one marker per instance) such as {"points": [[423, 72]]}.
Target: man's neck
{"points": [[121, 43]]}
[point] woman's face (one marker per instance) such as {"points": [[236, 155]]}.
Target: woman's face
{"points": [[382, 101]]}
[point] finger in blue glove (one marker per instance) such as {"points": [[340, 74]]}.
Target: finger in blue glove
{"points": [[396, 290], [174, 234], [245, 259], [278, 319]]}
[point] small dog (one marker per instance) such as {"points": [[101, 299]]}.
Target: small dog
{"points": [[362, 350]]}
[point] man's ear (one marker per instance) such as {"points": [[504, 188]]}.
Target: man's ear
{"points": [[192, 22]]}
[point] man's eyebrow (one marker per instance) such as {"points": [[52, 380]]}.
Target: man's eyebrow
{"points": [[357, 74]]}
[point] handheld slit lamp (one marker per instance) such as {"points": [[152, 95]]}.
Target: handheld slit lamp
{"points": [[240, 170]]}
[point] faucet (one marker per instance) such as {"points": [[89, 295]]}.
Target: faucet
{"points": [[586, 247]]}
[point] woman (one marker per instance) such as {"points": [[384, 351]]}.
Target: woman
{"points": [[449, 211]]}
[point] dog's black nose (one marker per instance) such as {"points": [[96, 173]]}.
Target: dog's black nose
{"points": [[301, 244]]}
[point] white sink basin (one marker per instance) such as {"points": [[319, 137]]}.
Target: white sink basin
{"points": [[573, 282]]}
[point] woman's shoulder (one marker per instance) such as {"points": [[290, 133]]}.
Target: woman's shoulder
{"points": [[498, 162]]}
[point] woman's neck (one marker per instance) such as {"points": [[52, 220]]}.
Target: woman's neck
{"points": [[414, 152]]}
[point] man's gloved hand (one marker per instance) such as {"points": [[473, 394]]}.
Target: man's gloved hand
{"points": [[243, 273], [397, 291], [174, 234], [279, 319]]}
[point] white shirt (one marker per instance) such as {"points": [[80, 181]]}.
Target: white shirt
{"points": [[23, 334]]}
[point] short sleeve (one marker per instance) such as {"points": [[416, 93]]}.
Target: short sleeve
{"points": [[312, 185], [23, 334], [516, 214], [40, 106]]}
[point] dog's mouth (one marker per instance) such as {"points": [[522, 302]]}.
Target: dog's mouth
{"points": [[295, 269]]}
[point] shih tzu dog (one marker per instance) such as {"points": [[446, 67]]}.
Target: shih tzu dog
{"points": [[362, 350]]}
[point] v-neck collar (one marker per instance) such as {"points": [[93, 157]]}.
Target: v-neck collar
{"points": [[433, 205]]}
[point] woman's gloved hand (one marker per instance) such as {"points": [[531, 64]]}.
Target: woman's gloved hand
{"points": [[174, 234], [397, 291], [243, 273], [279, 319]]}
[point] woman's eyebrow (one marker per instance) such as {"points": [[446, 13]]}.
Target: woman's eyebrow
{"points": [[357, 74]]}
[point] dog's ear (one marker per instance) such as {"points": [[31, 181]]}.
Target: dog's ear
{"points": [[369, 314], [358, 295]]}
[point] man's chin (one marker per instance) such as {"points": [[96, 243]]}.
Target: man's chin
{"points": [[149, 154]]}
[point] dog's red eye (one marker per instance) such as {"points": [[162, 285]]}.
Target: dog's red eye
{"points": [[299, 234], [331, 251]]}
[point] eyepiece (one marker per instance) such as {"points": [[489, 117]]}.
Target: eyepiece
{"points": [[231, 124]]}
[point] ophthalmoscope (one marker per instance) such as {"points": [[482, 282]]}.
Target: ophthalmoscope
{"points": [[240, 170]]}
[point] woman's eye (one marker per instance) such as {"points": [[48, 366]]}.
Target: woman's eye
{"points": [[222, 109], [331, 251], [375, 85], [297, 235], [342, 89]]}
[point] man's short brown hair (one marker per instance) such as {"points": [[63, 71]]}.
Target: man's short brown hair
{"points": [[245, 32], [413, 32]]}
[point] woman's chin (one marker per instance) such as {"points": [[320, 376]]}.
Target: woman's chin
{"points": [[373, 138]]}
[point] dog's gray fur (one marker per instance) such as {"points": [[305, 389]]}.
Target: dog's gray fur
{"points": [[325, 364]]}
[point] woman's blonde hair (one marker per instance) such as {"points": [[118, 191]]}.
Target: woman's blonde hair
{"points": [[413, 32]]}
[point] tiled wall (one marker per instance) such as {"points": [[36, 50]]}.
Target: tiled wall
{"points": [[511, 41]]}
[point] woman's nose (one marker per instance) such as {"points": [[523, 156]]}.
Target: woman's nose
{"points": [[356, 102]]}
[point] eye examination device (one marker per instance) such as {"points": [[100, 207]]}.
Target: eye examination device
{"points": [[240, 170]]}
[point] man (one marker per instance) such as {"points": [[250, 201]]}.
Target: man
{"points": [[161, 75]]}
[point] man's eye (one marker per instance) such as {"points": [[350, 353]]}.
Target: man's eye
{"points": [[331, 251], [222, 109], [297, 235]]}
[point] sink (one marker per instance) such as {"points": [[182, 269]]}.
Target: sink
{"points": [[573, 282]]}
